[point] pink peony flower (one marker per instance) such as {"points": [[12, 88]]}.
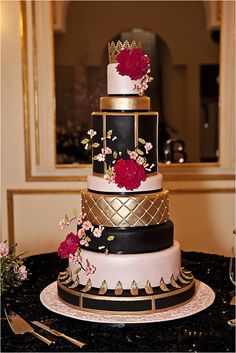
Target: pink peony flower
{"points": [[22, 272], [69, 245], [4, 250], [134, 63], [129, 174]]}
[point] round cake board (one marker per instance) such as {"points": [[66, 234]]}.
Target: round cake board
{"points": [[202, 299]]}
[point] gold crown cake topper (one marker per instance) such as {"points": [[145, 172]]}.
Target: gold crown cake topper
{"points": [[115, 48]]}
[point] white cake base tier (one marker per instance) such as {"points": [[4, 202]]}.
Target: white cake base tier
{"points": [[117, 84], [127, 268], [152, 183]]}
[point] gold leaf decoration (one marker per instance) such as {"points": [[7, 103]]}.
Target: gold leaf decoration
{"points": [[95, 144], [85, 141]]}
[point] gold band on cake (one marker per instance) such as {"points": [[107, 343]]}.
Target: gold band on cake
{"points": [[125, 103], [137, 210]]}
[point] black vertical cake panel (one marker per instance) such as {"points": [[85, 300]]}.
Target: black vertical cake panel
{"points": [[148, 130], [123, 127], [97, 125]]}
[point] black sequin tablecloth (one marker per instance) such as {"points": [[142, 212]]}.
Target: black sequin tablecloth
{"points": [[206, 331]]}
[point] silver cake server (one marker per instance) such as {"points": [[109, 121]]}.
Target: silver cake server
{"points": [[59, 334], [20, 326]]}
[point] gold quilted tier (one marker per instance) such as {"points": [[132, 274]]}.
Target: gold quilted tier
{"points": [[125, 103], [137, 210]]}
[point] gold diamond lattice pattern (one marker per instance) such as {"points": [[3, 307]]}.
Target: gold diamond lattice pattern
{"points": [[126, 211]]}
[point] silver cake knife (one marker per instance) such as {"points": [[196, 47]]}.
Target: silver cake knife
{"points": [[59, 334]]}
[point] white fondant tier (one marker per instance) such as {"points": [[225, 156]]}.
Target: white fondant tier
{"points": [[117, 84], [152, 183], [127, 268]]}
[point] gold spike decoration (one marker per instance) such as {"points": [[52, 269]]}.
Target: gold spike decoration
{"points": [[134, 288], [163, 286], [119, 288], [187, 272], [69, 280], [186, 276], [182, 280], [63, 273], [174, 283], [75, 284], [103, 288], [88, 286], [64, 276], [148, 288]]}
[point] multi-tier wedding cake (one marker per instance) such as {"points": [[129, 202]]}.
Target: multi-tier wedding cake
{"points": [[123, 257]]}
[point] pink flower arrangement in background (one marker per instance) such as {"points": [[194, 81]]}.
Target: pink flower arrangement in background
{"points": [[12, 270]]}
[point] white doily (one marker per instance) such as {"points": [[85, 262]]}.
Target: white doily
{"points": [[203, 298]]}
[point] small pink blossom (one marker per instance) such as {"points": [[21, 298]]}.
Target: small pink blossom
{"points": [[110, 178], [141, 160], [63, 223], [81, 233], [148, 146], [92, 133], [84, 242], [22, 272], [133, 155], [101, 157], [87, 225], [90, 269], [79, 220], [98, 232], [76, 259], [4, 250], [108, 150]]}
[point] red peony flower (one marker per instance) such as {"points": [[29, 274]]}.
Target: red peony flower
{"points": [[69, 245], [129, 174], [134, 64]]}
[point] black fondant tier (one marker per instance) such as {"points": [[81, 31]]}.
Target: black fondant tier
{"points": [[128, 128], [126, 303], [134, 240]]}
